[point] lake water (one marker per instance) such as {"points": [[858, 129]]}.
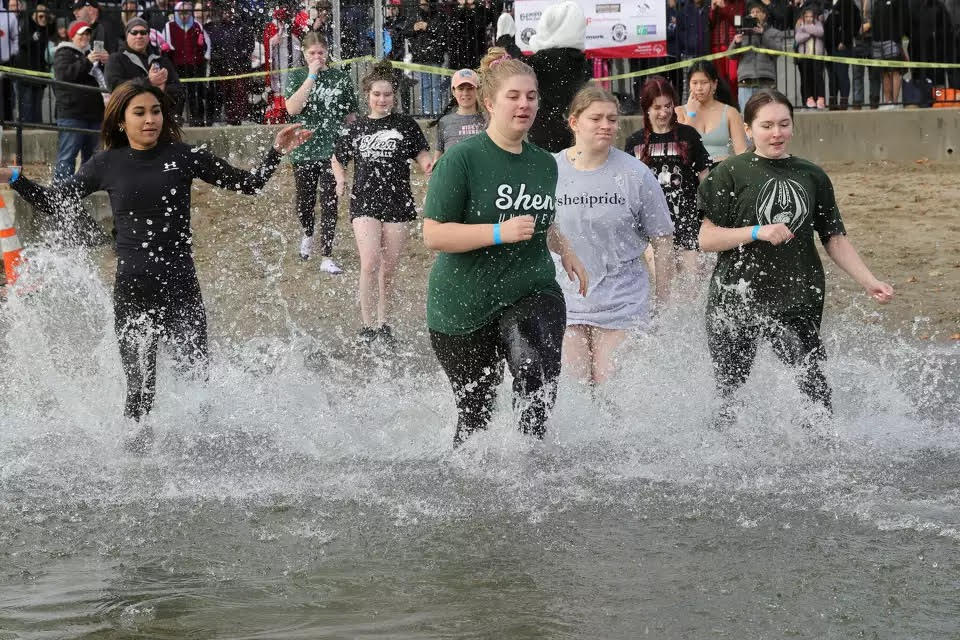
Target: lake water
{"points": [[309, 491]]}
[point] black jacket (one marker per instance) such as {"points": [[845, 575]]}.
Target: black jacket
{"points": [[891, 20], [157, 18], [467, 39], [231, 43], [841, 26], [427, 46], [560, 74], [128, 65], [71, 65], [932, 29], [109, 30], [33, 45]]}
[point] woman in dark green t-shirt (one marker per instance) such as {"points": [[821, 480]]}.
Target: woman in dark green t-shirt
{"points": [[763, 209], [492, 293], [322, 99]]}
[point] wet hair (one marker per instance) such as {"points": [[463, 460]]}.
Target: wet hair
{"points": [[495, 67], [653, 88], [113, 137], [382, 71], [587, 96], [312, 39], [761, 99], [708, 69]]}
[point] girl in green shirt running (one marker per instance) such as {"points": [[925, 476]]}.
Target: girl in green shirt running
{"points": [[493, 293]]}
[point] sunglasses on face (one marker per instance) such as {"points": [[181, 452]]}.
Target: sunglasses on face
{"points": [[139, 32]]}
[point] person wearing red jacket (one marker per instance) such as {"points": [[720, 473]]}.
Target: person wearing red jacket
{"points": [[722, 31], [189, 47], [281, 46]]}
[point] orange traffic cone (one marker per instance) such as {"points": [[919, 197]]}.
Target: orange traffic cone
{"points": [[9, 245]]}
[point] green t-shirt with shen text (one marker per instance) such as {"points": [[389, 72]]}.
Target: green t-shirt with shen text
{"points": [[330, 101], [784, 281], [477, 182]]}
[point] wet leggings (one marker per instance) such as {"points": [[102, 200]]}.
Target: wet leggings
{"points": [[147, 309], [310, 178], [796, 341], [529, 336]]}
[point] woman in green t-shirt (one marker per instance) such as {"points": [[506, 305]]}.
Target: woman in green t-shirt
{"points": [[492, 293], [322, 99], [762, 209]]}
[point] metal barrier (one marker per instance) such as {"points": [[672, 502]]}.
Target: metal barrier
{"points": [[462, 33], [18, 124]]}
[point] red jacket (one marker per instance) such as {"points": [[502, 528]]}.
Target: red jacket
{"points": [[722, 28], [188, 46]]}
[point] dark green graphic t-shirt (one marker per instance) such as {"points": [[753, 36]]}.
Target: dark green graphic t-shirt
{"points": [[780, 281], [331, 99], [477, 182]]}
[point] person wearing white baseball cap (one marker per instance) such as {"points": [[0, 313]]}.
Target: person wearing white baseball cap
{"points": [[466, 121]]}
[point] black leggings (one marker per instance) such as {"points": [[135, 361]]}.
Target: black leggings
{"points": [[796, 341], [306, 177], [529, 335], [148, 308], [811, 79]]}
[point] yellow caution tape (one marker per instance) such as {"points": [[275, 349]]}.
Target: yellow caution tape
{"points": [[26, 72], [680, 64], [863, 62]]}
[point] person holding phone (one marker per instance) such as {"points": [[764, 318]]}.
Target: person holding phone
{"points": [[138, 59], [74, 61]]}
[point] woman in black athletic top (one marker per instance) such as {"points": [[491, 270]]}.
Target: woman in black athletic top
{"points": [[147, 172]]}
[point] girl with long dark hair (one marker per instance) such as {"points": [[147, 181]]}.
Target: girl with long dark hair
{"points": [[709, 111], [677, 157], [147, 172], [764, 210]]}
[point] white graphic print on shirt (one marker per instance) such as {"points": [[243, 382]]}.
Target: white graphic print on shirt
{"points": [[379, 145], [783, 201]]}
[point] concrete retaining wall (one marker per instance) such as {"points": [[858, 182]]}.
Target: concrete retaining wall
{"points": [[836, 136], [849, 136]]}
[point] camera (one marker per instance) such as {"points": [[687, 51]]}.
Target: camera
{"points": [[744, 24]]}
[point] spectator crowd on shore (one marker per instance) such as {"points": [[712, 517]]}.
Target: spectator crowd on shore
{"points": [[169, 41]]}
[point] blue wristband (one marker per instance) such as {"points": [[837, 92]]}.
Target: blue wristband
{"points": [[496, 234], [755, 233], [312, 76], [691, 114], [14, 174]]}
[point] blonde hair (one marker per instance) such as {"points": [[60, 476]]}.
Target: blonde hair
{"points": [[381, 72], [311, 39], [587, 96], [495, 68]]}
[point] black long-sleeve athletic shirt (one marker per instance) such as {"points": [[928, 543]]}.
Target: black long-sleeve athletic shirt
{"points": [[150, 197]]}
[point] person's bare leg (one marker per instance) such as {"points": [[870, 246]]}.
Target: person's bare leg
{"points": [[393, 239], [887, 87], [367, 232], [577, 357], [604, 343], [896, 79]]}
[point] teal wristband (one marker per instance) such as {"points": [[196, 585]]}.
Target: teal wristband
{"points": [[755, 233], [496, 234], [312, 76], [14, 174], [691, 114]]}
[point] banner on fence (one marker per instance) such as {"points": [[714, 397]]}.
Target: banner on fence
{"points": [[615, 29]]}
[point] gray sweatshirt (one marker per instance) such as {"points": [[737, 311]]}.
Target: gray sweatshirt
{"points": [[755, 66]]}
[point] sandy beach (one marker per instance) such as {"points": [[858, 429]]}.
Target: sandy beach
{"points": [[904, 219]]}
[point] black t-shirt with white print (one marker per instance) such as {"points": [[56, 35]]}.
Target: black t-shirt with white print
{"points": [[678, 179], [382, 149]]}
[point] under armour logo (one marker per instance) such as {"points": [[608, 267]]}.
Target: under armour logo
{"points": [[170, 166]]}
